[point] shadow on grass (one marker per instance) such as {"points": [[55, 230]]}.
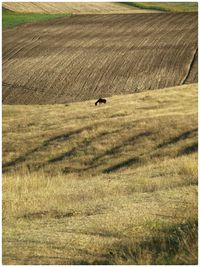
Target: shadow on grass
{"points": [[44, 145], [176, 139], [62, 156], [129, 141], [81, 146], [44, 214], [123, 164], [189, 149], [52, 141]]}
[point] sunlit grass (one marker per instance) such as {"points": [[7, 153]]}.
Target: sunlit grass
{"points": [[112, 184], [169, 7]]}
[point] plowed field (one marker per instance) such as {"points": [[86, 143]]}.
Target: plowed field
{"points": [[88, 56]]}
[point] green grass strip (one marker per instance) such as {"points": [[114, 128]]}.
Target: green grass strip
{"points": [[12, 19]]}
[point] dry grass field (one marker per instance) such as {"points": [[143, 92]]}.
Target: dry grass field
{"points": [[167, 6], [72, 8], [109, 184], [87, 56]]}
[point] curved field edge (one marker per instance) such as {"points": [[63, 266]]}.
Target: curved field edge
{"points": [[168, 7], [137, 204], [91, 56], [12, 19]]}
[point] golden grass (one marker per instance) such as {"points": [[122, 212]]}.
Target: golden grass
{"points": [[73, 8], [125, 194], [168, 7]]}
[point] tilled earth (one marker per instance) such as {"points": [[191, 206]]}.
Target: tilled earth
{"points": [[89, 56]]}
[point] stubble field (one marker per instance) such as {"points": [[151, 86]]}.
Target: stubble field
{"points": [[72, 8]]}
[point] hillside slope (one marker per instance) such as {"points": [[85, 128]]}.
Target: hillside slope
{"points": [[72, 8], [88, 56], [81, 137], [167, 6], [110, 184]]}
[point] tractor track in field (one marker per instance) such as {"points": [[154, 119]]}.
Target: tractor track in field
{"points": [[191, 67], [90, 56]]}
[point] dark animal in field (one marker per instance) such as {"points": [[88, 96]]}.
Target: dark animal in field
{"points": [[100, 101]]}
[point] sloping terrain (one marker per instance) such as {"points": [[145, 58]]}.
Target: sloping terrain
{"points": [[167, 6], [110, 184], [88, 56], [72, 8], [82, 137], [67, 138]]}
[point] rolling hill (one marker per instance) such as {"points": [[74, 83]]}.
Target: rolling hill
{"points": [[167, 6], [87, 56], [110, 184], [72, 8], [99, 8]]}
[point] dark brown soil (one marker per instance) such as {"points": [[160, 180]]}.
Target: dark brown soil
{"points": [[90, 56]]}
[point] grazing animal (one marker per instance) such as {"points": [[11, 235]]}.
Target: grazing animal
{"points": [[100, 101]]}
